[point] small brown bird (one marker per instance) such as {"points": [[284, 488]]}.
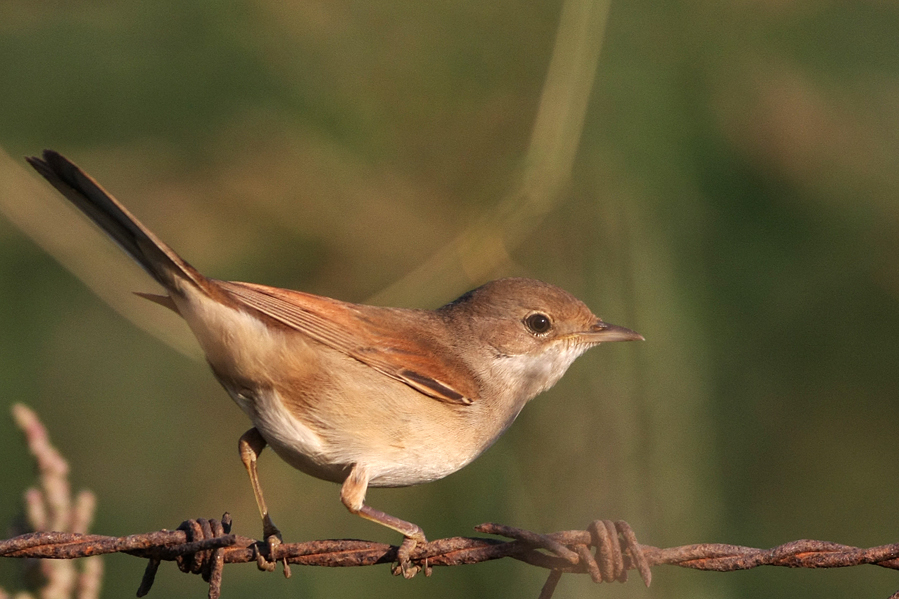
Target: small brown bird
{"points": [[359, 395]]}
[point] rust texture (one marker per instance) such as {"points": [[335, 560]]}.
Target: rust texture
{"points": [[605, 551]]}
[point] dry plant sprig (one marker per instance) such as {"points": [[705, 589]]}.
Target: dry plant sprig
{"points": [[204, 546], [50, 507]]}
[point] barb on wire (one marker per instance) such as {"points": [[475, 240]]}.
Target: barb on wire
{"points": [[605, 551]]}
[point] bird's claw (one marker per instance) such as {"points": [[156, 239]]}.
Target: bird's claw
{"points": [[404, 565], [266, 561]]}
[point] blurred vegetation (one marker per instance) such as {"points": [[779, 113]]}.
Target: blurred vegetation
{"points": [[733, 197]]}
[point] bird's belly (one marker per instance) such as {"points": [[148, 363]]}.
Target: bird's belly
{"points": [[326, 442], [294, 442]]}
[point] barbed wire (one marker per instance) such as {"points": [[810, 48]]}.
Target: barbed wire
{"points": [[204, 546]]}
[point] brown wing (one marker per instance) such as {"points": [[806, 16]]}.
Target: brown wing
{"points": [[387, 339]]}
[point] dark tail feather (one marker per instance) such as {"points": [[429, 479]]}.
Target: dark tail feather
{"points": [[158, 259]]}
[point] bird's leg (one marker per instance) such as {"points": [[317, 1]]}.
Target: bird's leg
{"points": [[251, 445], [352, 494]]}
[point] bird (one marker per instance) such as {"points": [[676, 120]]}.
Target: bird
{"points": [[360, 395]]}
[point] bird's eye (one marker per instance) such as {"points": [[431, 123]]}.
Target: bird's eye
{"points": [[538, 323]]}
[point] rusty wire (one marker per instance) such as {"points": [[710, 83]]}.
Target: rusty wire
{"points": [[205, 546]]}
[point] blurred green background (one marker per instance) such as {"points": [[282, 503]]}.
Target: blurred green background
{"points": [[733, 197]]}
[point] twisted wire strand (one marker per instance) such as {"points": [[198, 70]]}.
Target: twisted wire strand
{"points": [[204, 546]]}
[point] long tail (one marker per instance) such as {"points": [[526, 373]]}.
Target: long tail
{"points": [[154, 256]]}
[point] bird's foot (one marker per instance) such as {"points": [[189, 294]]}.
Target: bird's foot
{"points": [[404, 565], [267, 561]]}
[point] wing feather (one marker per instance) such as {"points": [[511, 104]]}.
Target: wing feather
{"points": [[393, 341]]}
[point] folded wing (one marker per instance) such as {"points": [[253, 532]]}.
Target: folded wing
{"points": [[389, 343]]}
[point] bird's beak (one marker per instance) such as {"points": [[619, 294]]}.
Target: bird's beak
{"points": [[604, 332]]}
